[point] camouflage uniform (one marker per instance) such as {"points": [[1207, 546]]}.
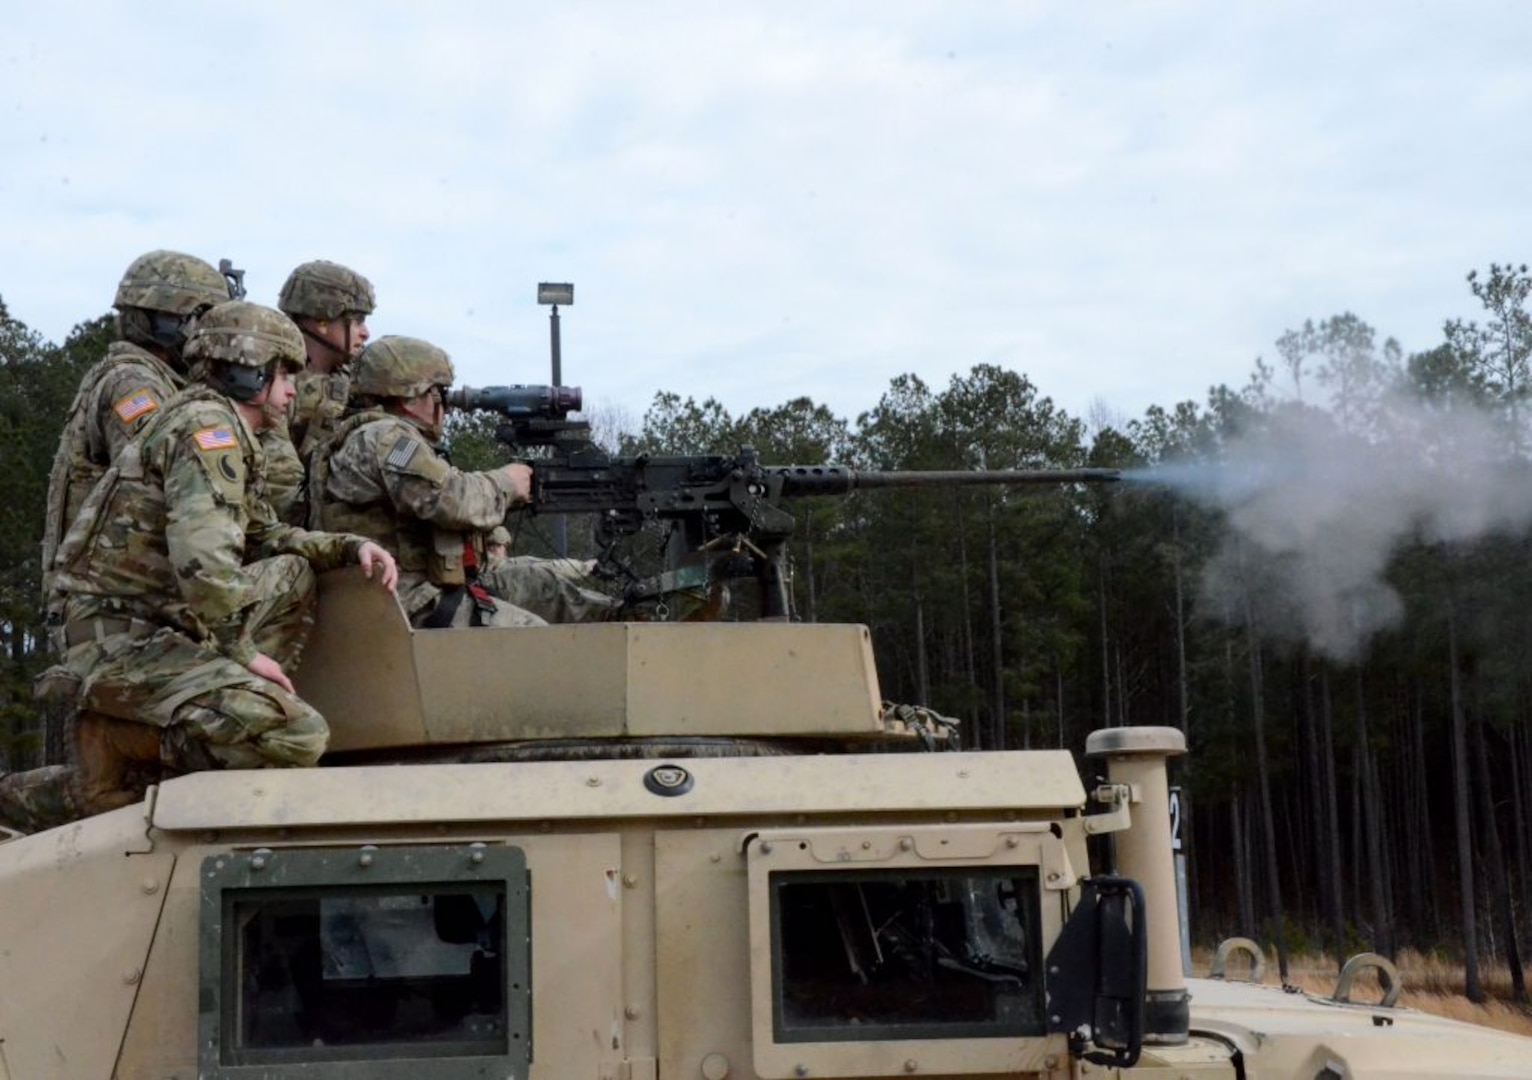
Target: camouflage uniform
{"points": [[380, 478], [116, 398], [319, 407], [524, 580], [162, 611], [497, 545], [158, 300], [162, 615], [120, 393], [315, 290], [285, 476], [38, 799], [560, 590]]}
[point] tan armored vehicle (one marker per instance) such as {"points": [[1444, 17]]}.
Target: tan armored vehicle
{"points": [[643, 851]]}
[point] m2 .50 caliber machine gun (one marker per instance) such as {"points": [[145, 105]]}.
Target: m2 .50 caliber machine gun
{"points": [[726, 512]]}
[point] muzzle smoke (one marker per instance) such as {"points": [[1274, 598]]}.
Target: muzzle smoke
{"points": [[1316, 515]]}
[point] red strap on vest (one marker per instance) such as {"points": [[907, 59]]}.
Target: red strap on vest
{"points": [[483, 603]]}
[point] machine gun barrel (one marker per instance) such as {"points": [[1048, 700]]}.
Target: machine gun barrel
{"points": [[802, 480], [726, 510]]}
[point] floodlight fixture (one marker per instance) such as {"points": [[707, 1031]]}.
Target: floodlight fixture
{"points": [[555, 292]]}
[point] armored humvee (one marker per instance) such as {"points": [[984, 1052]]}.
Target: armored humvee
{"points": [[644, 851]]}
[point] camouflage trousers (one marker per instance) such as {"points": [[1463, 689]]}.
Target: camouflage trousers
{"points": [[422, 600], [213, 712], [556, 590], [39, 799]]}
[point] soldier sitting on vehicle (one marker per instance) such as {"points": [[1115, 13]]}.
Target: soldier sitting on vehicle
{"points": [[158, 301], [380, 476], [329, 303], [184, 599]]}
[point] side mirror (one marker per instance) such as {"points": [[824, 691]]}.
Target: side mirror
{"points": [[1097, 973]]}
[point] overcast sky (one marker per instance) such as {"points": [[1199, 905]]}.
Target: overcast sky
{"points": [[756, 201]]}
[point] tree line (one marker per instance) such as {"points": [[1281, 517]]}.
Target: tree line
{"points": [[1321, 575]]}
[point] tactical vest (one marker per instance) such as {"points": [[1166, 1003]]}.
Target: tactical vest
{"points": [[421, 549], [82, 455], [319, 409]]}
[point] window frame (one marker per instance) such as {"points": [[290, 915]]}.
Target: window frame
{"points": [[878, 852], [241, 876], [804, 1032]]}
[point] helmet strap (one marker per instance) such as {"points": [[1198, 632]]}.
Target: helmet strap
{"points": [[404, 409], [343, 353]]}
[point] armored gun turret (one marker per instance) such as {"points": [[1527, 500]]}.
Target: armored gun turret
{"points": [[645, 851]]}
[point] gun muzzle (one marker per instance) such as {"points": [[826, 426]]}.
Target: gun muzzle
{"points": [[518, 402]]}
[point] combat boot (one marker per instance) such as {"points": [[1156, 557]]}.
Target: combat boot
{"points": [[109, 755]]}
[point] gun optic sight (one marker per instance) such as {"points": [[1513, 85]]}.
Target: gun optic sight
{"points": [[518, 402]]}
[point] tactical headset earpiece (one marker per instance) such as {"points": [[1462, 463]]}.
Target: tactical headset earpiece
{"points": [[167, 329], [240, 382]]}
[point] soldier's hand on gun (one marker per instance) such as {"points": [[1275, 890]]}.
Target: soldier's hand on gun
{"points": [[520, 476], [372, 557], [267, 668]]}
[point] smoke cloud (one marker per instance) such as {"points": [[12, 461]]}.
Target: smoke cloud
{"points": [[1316, 514]]}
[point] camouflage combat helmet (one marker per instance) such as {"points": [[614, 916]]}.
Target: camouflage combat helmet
{"points": [[325, 290], [400, 367], [246, 334], [171, 282], [500, 535]]}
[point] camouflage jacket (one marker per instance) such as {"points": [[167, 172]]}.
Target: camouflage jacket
{"points": [[380, 477], [318, 408], [166, 534], [116, 398], [286, 479]]}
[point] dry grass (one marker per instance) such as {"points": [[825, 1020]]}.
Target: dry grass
{"points": [[1430, 984]]}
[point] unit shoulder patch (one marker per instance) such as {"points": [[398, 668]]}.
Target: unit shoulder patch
{"points": [[219, 461], [225, 471]]}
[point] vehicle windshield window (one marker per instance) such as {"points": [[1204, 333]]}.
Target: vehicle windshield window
{"points": [[895, 955]]}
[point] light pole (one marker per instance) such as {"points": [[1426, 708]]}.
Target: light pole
{"points": [[554, 294]]}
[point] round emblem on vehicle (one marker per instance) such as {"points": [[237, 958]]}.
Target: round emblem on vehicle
{"points": [[668, 780]]}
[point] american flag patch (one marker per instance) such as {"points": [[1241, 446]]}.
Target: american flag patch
{"points": [[402, 453], [135, 405], [214, 438]]}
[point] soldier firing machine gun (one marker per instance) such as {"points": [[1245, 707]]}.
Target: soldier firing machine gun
{"points": [[726, 513]]}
